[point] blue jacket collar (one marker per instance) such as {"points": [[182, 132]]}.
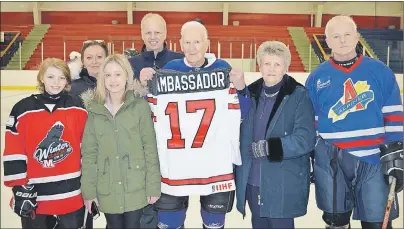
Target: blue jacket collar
{"points": [[149, 55], [288, 87]]}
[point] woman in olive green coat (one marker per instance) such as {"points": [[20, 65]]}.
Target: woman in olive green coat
{"points": [[120, 167]]}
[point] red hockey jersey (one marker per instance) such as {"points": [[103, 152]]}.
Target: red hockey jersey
{"points": [[42, 148]]}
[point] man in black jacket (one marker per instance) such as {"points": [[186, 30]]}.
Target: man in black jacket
{"points": [[154, 52]]}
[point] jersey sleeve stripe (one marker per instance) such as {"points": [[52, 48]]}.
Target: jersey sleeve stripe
{"points": [[15, 177], [15, 167], [393, 118], [389, 109], [354, 133], [198, 181], [15, 157], [394, 128], [360, 143]]}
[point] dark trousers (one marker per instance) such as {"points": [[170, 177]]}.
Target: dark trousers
{"points": [[126, 220], [149, 217], [71, 220], [264, 222]]}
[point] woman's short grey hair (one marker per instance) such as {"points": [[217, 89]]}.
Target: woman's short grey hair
{"points": [[276, 48]]}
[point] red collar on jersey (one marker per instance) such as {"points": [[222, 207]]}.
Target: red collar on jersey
{"points": [[347, 70]]}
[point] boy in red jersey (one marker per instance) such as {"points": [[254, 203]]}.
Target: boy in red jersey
{"points": [[42, 157]]}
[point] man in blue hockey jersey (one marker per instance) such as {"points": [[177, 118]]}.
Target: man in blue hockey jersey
{"points": [[359, 116], [172, 209]]}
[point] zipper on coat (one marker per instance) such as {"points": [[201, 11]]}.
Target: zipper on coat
{"points": [[116, 135]]}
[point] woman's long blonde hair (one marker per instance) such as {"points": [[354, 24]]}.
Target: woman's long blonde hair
{"points": [[101, 91]]}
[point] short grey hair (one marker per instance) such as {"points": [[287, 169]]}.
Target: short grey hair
{"points": [[275, 48], [336, 20], [152, 16], [196, 24]]}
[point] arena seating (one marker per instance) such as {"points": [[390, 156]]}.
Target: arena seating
{"points": [[24, 29], [74, 35], [380, 39], [231, 39], [10, 32], [310, 31]]}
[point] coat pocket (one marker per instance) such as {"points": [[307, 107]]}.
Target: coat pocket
{"points": [[298, 181], [104, 177], [135, 175]]}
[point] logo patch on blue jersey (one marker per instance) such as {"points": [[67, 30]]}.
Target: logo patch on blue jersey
{"points": [[321, 85], [356, 98]]}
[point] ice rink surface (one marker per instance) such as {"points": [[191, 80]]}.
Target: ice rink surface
{"points": [[233, 220]]}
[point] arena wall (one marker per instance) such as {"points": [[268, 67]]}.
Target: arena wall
{"points": [[367, 14], [350, 8]]}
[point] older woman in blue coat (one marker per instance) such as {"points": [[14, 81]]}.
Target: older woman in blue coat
{"points": [[277, 136]]}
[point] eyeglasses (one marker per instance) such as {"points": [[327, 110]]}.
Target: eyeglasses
{"points": [[93, 41]]}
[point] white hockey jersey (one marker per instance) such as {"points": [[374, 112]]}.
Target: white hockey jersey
{"points": [[197, 122]]}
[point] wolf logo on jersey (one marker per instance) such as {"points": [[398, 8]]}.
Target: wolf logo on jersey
{"points": [[356, 98], [52, 148]]}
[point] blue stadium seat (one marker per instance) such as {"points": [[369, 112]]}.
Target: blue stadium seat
{"points": [[380, 39]]}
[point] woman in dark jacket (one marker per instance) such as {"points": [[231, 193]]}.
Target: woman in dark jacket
{"points": [[92, 55], [276, 138]]}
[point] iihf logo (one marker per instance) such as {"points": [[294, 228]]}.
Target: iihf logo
{"points": [[223, 186]]}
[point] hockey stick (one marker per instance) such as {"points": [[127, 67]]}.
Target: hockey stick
{"points": [[390, 200], [85, 218]]}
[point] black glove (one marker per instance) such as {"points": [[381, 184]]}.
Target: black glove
{"points": [[24, 201], [391, 158]]}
